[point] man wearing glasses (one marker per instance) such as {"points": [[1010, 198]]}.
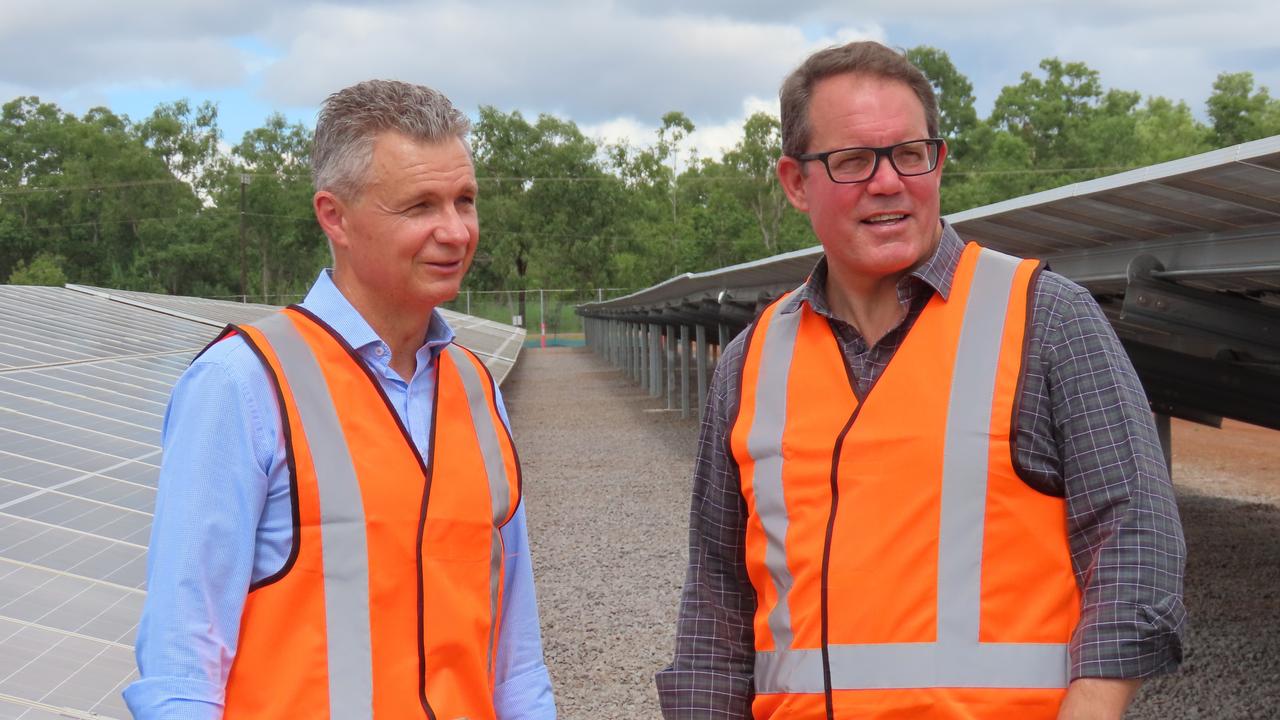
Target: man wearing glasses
{"points": [[929, 484]]}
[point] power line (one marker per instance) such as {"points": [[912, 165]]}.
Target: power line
{"points": [[299, 218], [92, 188], [125, 221]]}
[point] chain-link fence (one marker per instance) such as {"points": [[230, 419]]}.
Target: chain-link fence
{"points": [[547, 314]]}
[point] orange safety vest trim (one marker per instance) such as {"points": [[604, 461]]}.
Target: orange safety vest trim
{"points": [[389, 605], [901, 566]]}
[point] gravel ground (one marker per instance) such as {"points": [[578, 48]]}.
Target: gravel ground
{"points": [[607, 497], [607, 494]]}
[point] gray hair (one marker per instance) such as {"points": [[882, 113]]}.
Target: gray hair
{"points": [[353, 117], [864, 57]]}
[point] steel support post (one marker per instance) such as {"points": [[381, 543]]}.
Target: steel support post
{"points": [[703, 357], [640, 355], [669, 340], [655, 361], [685, 347], [633, 342], [634, 351], [629, 349], [643, 347]]}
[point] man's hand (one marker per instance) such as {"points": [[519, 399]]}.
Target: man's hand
{"points": [[1097, 699]]}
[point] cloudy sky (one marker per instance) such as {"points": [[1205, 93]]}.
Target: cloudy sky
{"points": [[613, 66]]}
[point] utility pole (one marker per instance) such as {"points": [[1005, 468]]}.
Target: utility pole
{"points": [[244, 267]]}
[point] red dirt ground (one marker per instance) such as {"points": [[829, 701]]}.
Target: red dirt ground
{"points": [[1239, 461]]}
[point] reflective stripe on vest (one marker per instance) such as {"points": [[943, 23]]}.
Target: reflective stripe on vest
{"points": [[346, 570], [344, 546], [496, 469], [956, 658]]}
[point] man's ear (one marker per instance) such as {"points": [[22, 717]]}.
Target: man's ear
{"points": [[331, 213], [791, 177]]}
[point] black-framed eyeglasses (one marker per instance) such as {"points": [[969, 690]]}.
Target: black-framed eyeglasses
{"points": [[859, 164]]}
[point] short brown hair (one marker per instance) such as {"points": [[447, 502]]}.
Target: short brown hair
{"points": [[351, 119], [864, 57]]}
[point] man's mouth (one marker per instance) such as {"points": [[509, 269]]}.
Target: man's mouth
{"points": [[885, 218], [446, 265]]}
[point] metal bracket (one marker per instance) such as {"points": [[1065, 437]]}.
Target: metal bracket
{"points": [[1197, 322]]}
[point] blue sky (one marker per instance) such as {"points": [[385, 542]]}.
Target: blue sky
{"points": [[613, 67]]}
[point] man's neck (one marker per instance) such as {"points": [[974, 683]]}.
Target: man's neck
{"points": [[870, 306], [402, 328]]}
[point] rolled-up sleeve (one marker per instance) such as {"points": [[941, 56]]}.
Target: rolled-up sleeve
{"points": [[1125, 534]]}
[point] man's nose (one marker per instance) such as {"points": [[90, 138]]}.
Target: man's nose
{"points": [[885, 180], [453, 227]]}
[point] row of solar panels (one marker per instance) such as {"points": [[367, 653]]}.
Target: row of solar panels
{"points": [[85, 375], [1184, 257]]}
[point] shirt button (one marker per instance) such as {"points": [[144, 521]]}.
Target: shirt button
{"points": [[379, 351]]}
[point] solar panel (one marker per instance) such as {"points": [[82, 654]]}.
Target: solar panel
{"points": [[497, 344], [85, 375]]}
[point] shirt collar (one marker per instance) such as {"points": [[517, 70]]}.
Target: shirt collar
{"points": [[936, 273], [328, 303]]}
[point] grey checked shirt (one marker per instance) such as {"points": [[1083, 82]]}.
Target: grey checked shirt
{"points": [[1085, 432]]}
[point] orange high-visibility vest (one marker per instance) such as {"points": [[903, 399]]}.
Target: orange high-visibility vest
{"points": [[902, 569], [389, 603]]}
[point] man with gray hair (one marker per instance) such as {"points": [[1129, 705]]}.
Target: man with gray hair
{"points": [[929, 484], [339, 530]]}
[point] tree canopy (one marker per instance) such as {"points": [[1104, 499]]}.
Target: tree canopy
{"points": [[165, 204]]}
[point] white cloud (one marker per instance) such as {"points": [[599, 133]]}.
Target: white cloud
{"points": [[90, 47], [706, 141], [617, 66], [594, 64]]}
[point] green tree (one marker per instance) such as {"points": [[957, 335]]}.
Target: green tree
{"points": [[45, 269], [1047, 113], [186, 138], [79, 187], [755, 158], [1239, 113], [1165, 130], [547, 206], [957, 115], [284, 247]]}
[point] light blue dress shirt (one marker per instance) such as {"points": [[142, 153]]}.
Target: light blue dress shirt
{"points": [[222, 521]]}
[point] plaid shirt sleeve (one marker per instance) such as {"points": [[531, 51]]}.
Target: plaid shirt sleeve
{"points": [[1086, 433], [711, 674]]}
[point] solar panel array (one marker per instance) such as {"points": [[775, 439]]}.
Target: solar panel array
{"points": [[85, 375], [1213, 219], [1183, 258]]}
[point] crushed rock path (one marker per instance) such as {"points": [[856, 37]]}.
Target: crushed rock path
{"points": [[607, 475]]}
